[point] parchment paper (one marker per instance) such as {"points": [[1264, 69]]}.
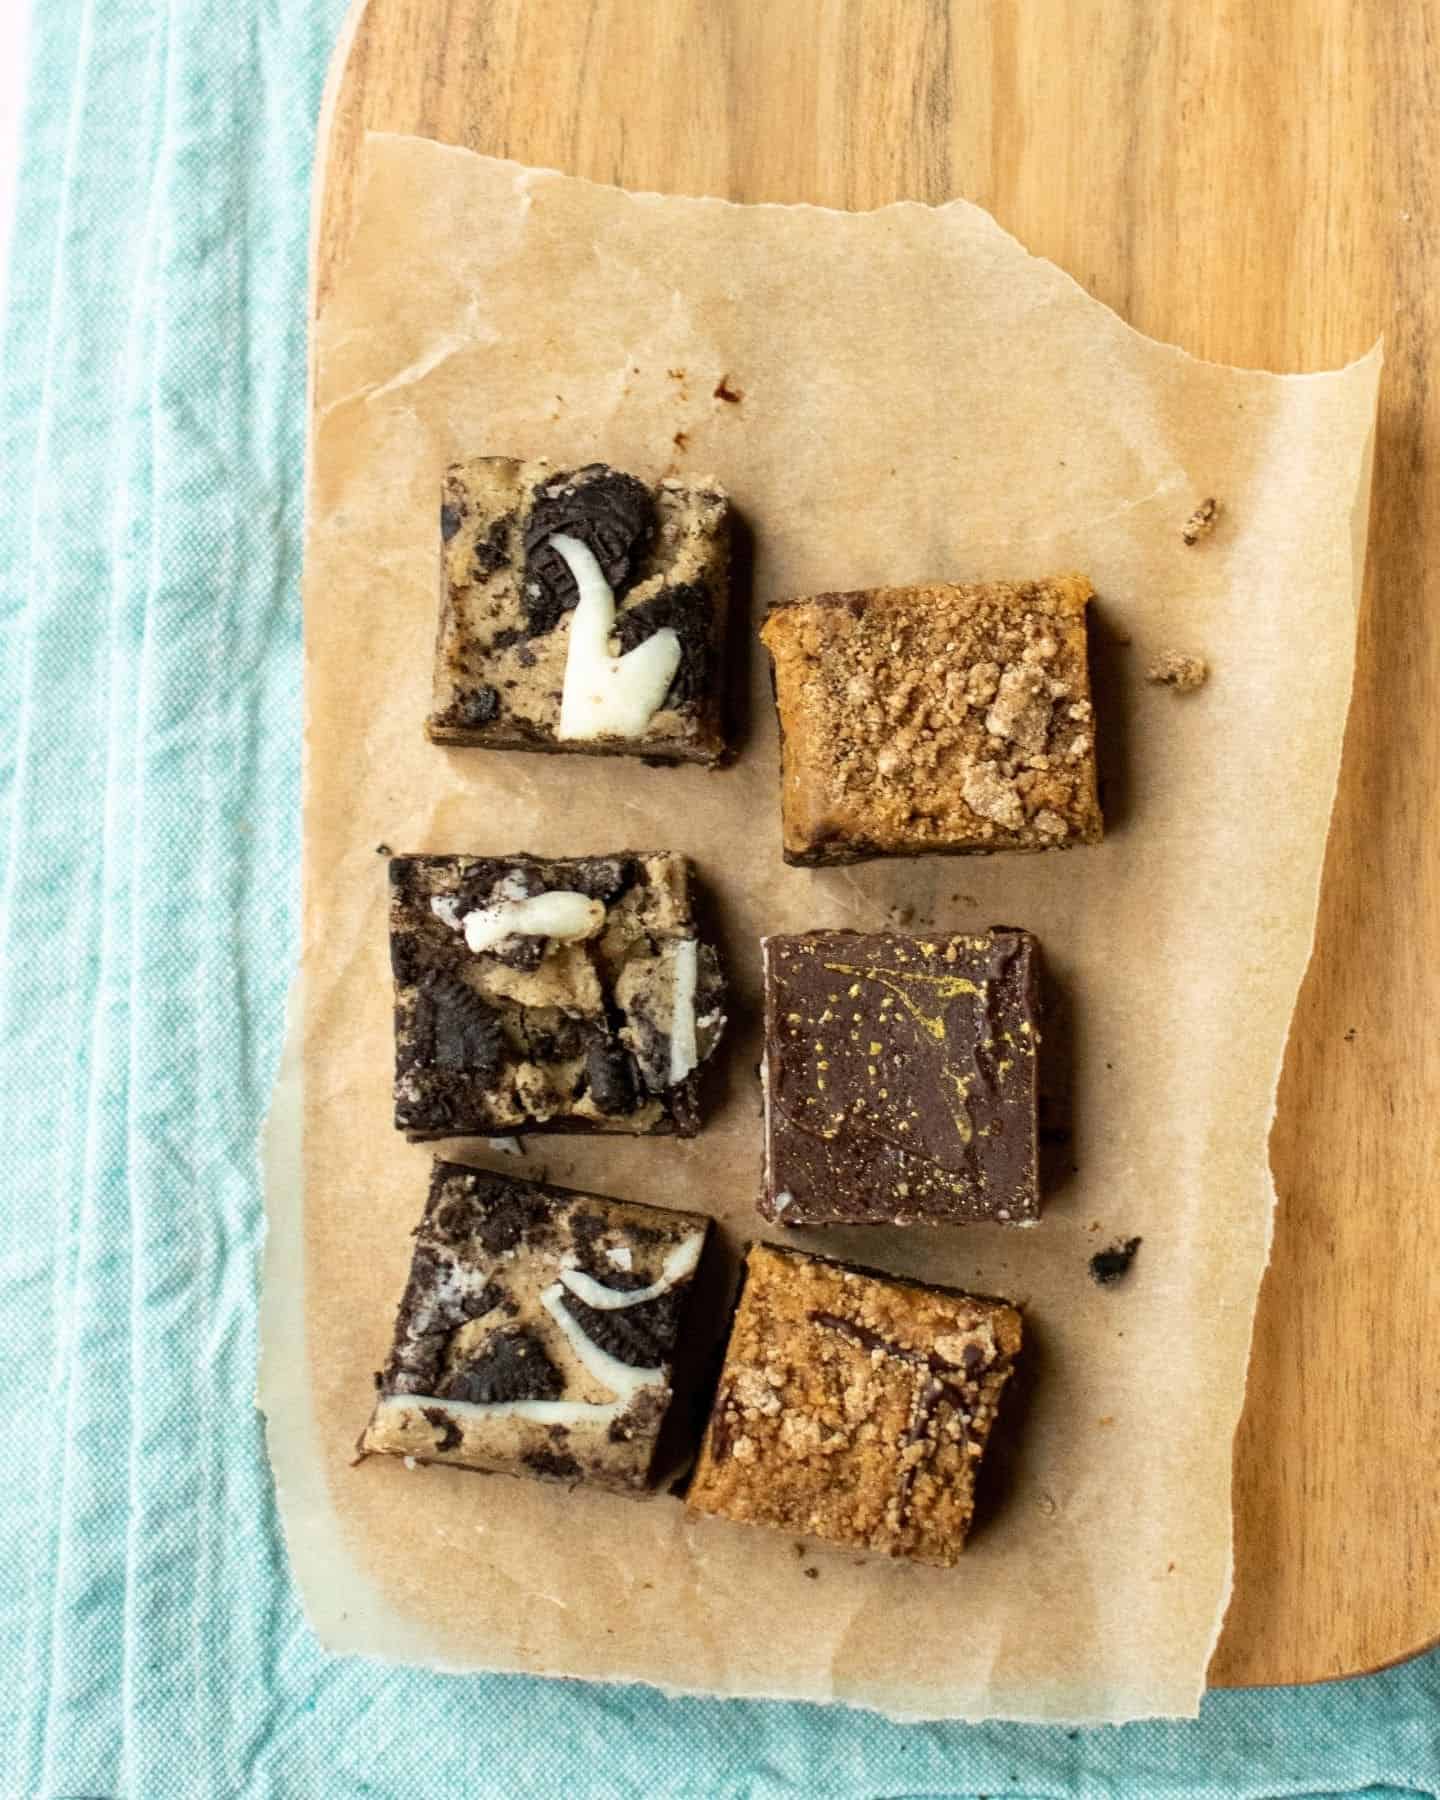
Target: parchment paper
{"points": [[913, 396]]}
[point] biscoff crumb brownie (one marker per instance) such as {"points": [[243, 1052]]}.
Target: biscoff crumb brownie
{"points": [[935, 719], [853, 1407]]}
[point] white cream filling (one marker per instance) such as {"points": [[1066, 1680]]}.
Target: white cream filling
{"points": [[684, 1050], [561, 915], [604, 695], [678, 1266], [446, 908], [390, 1408]]}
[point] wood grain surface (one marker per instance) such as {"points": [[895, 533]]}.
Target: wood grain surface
{"points": [[1259, 184]]}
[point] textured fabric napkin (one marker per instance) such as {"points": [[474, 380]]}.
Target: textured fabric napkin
{"points": [[151, 1644]]}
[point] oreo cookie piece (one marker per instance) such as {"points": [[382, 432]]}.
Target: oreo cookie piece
{"points": [[611, 513], [464, 1032], [685, 610], [637, 1335], [478, 705], [511, 1365], [610, 1076]]}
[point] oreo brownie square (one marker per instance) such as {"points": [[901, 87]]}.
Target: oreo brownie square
{"points": [[537, 1333], [900, 1078], [581, 609], [853, 1407], [570, 994], [935, 720]]}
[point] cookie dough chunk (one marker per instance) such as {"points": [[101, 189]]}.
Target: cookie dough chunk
{"points": [[581, 609], [854, 1408], [537, 1332], [900, 1078], [533, 995], [927, 720]]}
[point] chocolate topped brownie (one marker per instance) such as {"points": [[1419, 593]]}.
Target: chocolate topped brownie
{"points": [[853, 1407], [900, 1078], [549, 995], [935, 719], [581, 609], [537, 1332]]}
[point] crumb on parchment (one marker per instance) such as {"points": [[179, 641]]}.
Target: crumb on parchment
{"points": [[1177, 670], [1201, 522], [1112, 1265]]}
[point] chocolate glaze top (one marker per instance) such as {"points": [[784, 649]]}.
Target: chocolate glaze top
{"points": [[911, 1060]]}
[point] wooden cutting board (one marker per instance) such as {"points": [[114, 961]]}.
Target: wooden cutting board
{"points": [[1258, 184]]}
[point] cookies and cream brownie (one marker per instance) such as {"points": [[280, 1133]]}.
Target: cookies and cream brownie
{"points": [[581, 609], [535, 994], [537, 1332]]}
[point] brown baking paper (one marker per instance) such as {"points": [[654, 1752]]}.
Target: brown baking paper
{"points": [[888, 397]]}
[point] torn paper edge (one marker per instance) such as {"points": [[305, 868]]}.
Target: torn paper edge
{"points": [[1359, 548], [525, 177]]}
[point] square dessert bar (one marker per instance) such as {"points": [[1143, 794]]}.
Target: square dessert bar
{"points": [[925, 720], [854, 1408], [581, 609], [534, 995], [537, 1332], [899, 1078]]}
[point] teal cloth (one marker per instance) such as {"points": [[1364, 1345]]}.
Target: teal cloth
{"points": [[151, 1642]]}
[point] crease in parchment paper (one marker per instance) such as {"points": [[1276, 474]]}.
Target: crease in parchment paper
{"points": [[918, 398]]}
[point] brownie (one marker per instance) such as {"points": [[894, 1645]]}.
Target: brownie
{"points": [[537, 1332], [899, 1078], [935, 719], [581, 609], [854, 1408], [539, 995]]}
